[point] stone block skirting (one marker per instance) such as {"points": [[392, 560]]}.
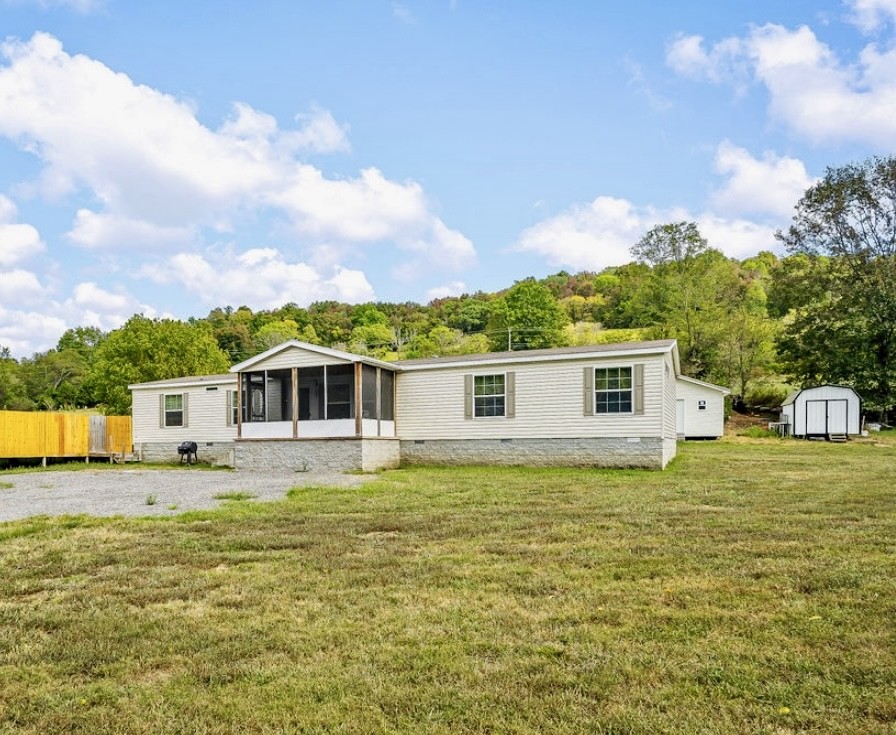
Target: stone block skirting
{"points": [[216, 453], [582, 452], [316, 455]]}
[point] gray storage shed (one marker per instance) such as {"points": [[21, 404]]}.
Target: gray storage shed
{"points": [[827, 411]]}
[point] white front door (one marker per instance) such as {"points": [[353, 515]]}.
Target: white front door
{"points": [[679, 417]]}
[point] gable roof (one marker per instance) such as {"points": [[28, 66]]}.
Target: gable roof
{"points": [[307, 347], [703, 384], [622, 349]]}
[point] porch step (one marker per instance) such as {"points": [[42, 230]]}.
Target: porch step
{"points": [[838, 437]]}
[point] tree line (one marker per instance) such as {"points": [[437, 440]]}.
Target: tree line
{"points": [[825, 311]]}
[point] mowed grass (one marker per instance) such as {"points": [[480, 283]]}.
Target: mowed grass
{"points": [[751, 587]]}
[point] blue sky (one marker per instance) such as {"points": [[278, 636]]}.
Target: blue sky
{"points": [[169, 157]]}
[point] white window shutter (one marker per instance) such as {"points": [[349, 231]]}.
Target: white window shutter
{"points": [[162, 411], [638, 384], [468, 396], [186, 402], [588, 391], [229, 407], [510, 397]]}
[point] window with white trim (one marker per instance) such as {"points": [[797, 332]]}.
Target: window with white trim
{"points": [[489, 396], [234, 407], [174, 410], [613, 390]]}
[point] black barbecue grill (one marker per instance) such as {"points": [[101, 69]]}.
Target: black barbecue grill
{"points": [[187, 452]]}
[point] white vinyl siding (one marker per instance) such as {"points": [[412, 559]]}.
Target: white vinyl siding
{"points": [[206, 414], [296, 357], [705, 422], [669, 398], [548, 401]]}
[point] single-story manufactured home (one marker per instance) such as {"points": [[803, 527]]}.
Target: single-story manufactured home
{"points": [[299, 406], [824, 411]]}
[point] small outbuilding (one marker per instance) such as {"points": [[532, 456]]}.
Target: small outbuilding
{"points": [[700, 409], [824, 411]]}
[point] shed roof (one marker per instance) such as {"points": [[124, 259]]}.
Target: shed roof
{"points": [[793, 395], [704, 384]]}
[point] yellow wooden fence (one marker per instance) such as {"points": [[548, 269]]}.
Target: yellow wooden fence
{"points": [[25, 434]]}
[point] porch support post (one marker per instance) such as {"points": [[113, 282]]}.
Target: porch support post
{"points": [[239, 405], [358, 414], [379, 410], [295, 403]]}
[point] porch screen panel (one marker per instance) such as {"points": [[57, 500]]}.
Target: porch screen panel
{"points": [[340, 391], [387, 395], [368, 392], [311, 394]]}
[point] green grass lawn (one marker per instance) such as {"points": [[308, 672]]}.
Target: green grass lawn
{"points": [[751, 587]]}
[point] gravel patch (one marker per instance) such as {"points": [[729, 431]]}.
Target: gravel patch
{"points": [[125, 492]]}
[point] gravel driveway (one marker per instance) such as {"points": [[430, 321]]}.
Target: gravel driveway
{"points": [[116, 492]]}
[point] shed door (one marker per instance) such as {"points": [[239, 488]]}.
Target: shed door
{"points": [[827, 417], [816, 417], [837, 416], [679, 417]]}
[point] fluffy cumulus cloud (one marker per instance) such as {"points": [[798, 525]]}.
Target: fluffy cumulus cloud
{"points": [[162, 178], [873, 15], [770, 185], [261, 278], [18, 241], [600, 234], [811, 90], [590, 236]]}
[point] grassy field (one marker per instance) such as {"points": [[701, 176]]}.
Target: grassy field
{"points": [[751, 587]]}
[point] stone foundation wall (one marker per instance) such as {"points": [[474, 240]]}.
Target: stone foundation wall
{"points": [[584, 452], [216, 453], [317, 455]]}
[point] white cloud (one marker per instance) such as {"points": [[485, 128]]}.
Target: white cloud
{"points": [[99, 230], [260, 278], [687, 55], [17, 241], [321, 133], [592, 236], [22, 287], [601, 234], [873, 15], [771, 185], [455, 288], [811, 90], [162, 177], [737, 238], [27, 331]]}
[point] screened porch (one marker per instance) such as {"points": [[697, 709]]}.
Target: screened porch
{"points": [[333, 400]]}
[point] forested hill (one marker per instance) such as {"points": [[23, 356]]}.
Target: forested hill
{"points": [[826, 312], [725, 314]]}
